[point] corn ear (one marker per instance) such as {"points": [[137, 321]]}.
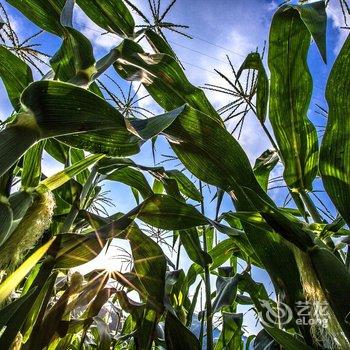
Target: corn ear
{"points": [[28, 231]]}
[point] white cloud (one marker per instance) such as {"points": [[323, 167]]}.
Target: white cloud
{"points": [[93, 32], [335, 14]]}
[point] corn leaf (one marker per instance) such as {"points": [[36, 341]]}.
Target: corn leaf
{"points": [[44, 13], [74, 61], [263, 167], [111, 15], [190, 241], [16, 277], [132, 177], [254, 61], [290, 93], [335, 149], [226, 290], [6, 218], [15, 74], [57, 108], [31, 172], [315, 19], [287, 340], [231, 334], [163, 78], [178, 336], [57, 180]]}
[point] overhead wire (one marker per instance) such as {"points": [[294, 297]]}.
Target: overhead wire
{"points": [[200, 53]]}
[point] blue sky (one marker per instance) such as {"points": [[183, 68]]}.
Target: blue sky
{"points": [[218, 28]]}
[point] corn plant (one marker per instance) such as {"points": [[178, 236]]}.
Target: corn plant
{"points": [[51, 225]]}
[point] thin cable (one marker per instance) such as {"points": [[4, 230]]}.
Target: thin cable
{"points": [[199, 52], [220, 47]]}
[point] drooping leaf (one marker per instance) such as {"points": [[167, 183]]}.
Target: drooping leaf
{"points": [[226, 290], [335, 282], [315, 19], [6, 218], [31, 173], [74, 61], [290, 93], [335, 149], [44, 13], [54, 109], [15, 74], [158, 43], [287, 340], [263, 167], [178, 336], [9, 310], [190, 241], [231, 334], [110, 15], [132, 177], [58, 179], [149, 264], [163, 78], [254, 61], [168, 213]]}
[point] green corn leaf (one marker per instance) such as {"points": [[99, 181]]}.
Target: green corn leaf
{"points": [[6, 182], [222, 252], [264, 341], [20, 202], [290, 93], [9, 310], [315, 19], [17, 276], [263, 167], [186, 186], [44, 13], [254, 61], [16, 320], [178, 336], [111, 15], [6, 218], [57, 180], [57, 150], [74, 61], [56, 108], [193, 305], [15, 74], [287, 340], [31, 172], [190, 241], [231, 334], [163, 78], [77, 155], [168, 213], [226, 290], [149, 264], [335, 149], [132, 177], [159, 45]]}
